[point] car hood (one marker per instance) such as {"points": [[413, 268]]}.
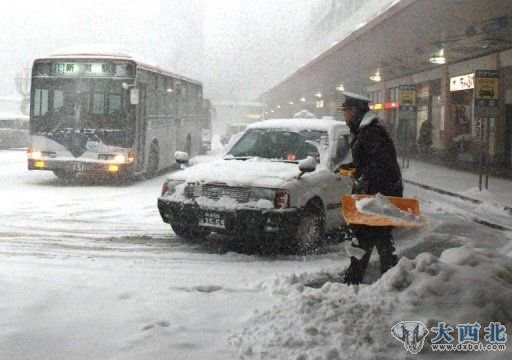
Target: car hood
{"points": [[251, 172]]}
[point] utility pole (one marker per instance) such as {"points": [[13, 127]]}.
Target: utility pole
{"points": [[486, 108]]}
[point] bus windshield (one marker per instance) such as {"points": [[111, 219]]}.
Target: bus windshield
{"points": [[95, 106]]}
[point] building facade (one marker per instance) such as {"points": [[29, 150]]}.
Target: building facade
{"points": [[417, 61]]}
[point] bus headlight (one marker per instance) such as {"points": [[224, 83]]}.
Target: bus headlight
{"points": [[33, 153], [119, 158]]}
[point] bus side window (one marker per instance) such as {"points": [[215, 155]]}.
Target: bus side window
{"points": [[184, 99], [169, 91], [40, 102], [151, 100], [162, 96]]}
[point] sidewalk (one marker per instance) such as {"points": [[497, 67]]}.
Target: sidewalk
{"points": [[460, 183]]}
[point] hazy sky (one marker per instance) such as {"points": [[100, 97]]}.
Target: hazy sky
{"points": [[236, 48]]}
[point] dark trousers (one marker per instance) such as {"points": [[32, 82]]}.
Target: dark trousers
{"points": [[368, 237]]}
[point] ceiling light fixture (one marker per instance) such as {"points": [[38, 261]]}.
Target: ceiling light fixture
{"points": [[376, 77], [438, 57], [340, 87]]}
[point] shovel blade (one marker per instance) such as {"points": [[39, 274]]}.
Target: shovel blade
{"points": [[353, 216]]}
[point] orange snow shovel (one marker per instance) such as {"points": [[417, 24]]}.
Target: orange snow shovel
{"points": [[408, 214]]}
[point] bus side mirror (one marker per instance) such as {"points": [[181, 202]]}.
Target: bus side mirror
{"points": [[134, 96], [181, 157]]}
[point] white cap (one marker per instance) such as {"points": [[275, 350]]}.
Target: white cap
{"points": [[350, 95]]}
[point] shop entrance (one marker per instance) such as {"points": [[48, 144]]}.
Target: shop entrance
{"points": [[462, 117]]}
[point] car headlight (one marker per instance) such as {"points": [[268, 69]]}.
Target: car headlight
{"points": [[170, 186], [282, 199], [261, 194]]}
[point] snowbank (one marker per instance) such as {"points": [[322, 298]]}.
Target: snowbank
{"points": [[463, 285]]}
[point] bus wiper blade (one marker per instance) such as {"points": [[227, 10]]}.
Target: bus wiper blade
{"points": [[237, 157], [284, 160]]}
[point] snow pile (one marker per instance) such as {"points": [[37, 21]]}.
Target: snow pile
{"points": [[463, 285], [380, 206]]}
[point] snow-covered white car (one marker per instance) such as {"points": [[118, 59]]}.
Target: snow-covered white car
{"points": [[278, 181]]}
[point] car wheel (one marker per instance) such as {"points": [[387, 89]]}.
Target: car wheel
{"points": [[65, 174], [189, 232], [310, 232], [153, 160]]}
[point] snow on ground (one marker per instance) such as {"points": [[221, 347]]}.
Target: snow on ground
{"points": [[90, 271], [337, 321], [460, 182]]}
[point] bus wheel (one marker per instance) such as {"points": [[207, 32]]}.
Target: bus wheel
{"points": [[64, 174], [152, 168]]}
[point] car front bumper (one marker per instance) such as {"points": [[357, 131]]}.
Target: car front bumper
{"points": [[246, 222]]}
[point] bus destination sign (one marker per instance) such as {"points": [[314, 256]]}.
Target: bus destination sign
{"points": [[98, 69]]}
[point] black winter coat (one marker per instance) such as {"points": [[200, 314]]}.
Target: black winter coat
{"points": [[374, 157]]}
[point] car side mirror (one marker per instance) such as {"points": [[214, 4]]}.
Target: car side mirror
{"points": [[307, 165]]}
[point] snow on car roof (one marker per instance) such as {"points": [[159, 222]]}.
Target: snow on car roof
{"points": [[298, 124]]}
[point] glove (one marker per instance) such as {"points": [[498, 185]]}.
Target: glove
{"points": [[347, 169], [348, 172]]}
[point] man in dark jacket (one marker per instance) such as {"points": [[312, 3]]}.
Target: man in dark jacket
{"points": [[377, 171]]}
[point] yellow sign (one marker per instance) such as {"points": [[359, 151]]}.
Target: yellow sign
{"points": [[407, 97], [486, 93], [486, 88]]}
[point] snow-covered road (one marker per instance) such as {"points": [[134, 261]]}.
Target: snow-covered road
{"points": [[89, 271]]}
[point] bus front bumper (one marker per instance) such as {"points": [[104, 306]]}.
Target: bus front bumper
{"points": [[75, 166]]}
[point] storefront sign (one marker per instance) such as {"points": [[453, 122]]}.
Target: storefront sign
{"points": [[486, 93], [407, 98], [462, 82]]}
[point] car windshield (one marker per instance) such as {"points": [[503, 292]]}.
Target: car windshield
{"points": [[277, 144]]}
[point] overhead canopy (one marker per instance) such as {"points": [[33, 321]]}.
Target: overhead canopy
{"points": [[400, 42]]}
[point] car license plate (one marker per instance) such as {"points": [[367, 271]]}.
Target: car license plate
{"points": [[212, 219], [198, 190]]}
